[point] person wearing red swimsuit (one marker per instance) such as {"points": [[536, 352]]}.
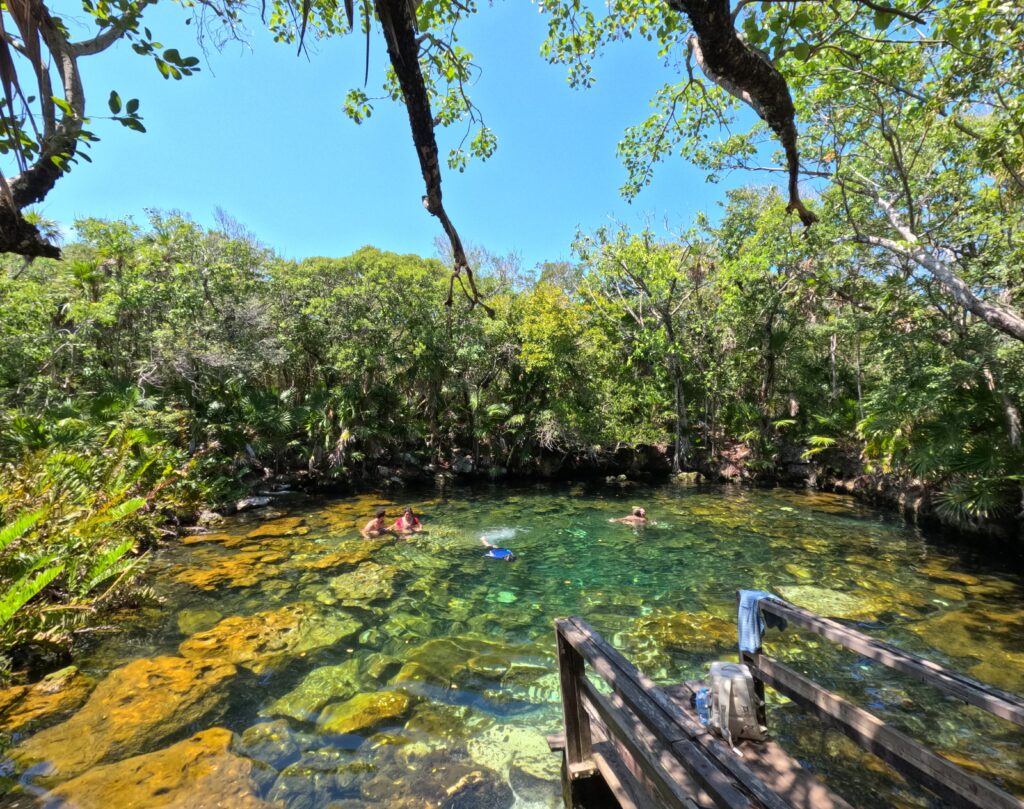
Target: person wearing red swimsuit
{"points": [[408, 523]]}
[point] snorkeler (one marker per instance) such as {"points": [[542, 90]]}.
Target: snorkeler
{"points": [[494, 552], [638, 517], [408, 523], [376, 527]]}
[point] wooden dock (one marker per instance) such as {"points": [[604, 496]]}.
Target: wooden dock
{"points": [[629, 743]]}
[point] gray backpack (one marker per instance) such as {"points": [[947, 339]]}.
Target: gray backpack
{"points": [[734, 703]]}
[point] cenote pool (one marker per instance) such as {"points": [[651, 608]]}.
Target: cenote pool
{"points": [[292, 664]]}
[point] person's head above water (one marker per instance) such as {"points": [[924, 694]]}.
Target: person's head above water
{"points": [[380, 513], [408, 512], [504, 554], [639, 512]]}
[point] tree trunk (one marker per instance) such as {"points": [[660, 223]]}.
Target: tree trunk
{"points": [[681, 454]]}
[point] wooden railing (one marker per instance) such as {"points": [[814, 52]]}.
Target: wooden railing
{"points": [[674, 753], [639, 738], [904, 754]]}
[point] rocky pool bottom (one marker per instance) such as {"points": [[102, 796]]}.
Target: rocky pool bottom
{"points": [[292, 664]]}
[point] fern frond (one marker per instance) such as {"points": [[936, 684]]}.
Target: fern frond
{"points": [[24, 590]]}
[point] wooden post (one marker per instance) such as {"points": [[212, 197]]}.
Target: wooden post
{"points": [[577, 722], [747, 659]]}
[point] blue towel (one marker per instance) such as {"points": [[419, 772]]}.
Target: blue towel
{"points": [[749, 621]]}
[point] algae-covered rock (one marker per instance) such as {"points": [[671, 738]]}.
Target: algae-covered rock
{"points": [[242, 569], [479, 790], [130, 712], [378, 666], [364, 712], [25, 706], [347, 555], [687, 631], [196, 539], [445, 724], [284, 527], [319, 687], [198, 773], [538, 793], [315, 779], [192, 621], [273, 743], [439, 779], [368, 582], [991, 637], [268, 639], [444, 660], [835, 604], [500, 746]]}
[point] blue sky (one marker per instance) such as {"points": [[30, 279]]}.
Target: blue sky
{"points": [[261, 133]]}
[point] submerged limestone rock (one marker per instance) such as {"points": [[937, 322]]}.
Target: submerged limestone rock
{"points": [[687, 631], [364, 712], [284, 527], [195, 539], [192, 621], [130, 712], [991, 637], [316, 778], [368, 582], [444, 660], [25, 706], [319, 687], [836, 604], [408, 779], [268, 639], [198, 773], [445, 725], [500, 746], [270, 742], [348, 554], [242, 569]]}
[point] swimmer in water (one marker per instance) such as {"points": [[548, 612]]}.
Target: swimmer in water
{"points": [[493, 551], [376, 527], [408, 523], [638, 517]]}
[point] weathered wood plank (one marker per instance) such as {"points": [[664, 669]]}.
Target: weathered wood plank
{"points": [[668, 768], [617, 751], [619, 780], [577, 724], [669, 722], [994, 700], [903, 753], [781, 772]]}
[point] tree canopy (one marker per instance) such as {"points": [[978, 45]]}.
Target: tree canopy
{"points": [[901, 122]]}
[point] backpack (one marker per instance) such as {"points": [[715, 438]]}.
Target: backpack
{"points": [[734, 703]]}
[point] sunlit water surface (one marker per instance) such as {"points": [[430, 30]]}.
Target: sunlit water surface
{"points": [[469, 639]]}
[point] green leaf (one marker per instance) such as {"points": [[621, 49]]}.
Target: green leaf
{"points": [[802, 51], [114, 102], [63, 105], [22, 525], [132, 106], [883, 19], [23, 591]]}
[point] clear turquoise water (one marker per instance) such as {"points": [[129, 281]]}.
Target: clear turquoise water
{"points": [[487, 697]]}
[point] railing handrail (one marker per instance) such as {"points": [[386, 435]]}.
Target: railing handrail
{"points": [[709, 763], [994, 700]]}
